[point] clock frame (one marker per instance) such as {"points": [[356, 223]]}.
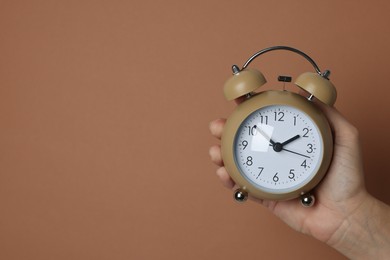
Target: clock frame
{"points": [[264, 99]]}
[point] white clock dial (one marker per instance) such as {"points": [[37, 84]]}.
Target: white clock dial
{"points": [[278, 148]]}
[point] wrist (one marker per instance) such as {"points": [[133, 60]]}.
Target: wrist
{"points": [[365, 231]]}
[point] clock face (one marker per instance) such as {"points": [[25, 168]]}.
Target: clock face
{"points": [[278, 148]]}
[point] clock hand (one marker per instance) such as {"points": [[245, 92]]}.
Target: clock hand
{"points": [[264, 135], [278, 147], [296, 153], [290, 140]]}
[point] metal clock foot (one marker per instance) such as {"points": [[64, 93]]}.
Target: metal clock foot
{"points": [[307, 200], [240, 195]]}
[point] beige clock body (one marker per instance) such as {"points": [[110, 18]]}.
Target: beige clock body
{"points": [[269, 98]]}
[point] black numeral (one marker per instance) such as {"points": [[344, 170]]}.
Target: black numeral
{"points": [[275, 178], [291, 175], [279, 116], [261, 170], [249, 161], [304, 165], [310, 150], [306, 132], [252, 130], [264, 120], [245, 144]]}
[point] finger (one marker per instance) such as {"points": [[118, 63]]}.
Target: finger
{"points": [[291, 212], [215, 155], [225, 178], [340, 125], [260, 201], [216, 127], [240, 100], [337, 121]]}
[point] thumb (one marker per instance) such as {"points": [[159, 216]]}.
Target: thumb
{"points": [[341, 127]]}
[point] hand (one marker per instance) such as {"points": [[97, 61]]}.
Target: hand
{"points": [[342, 189], [340, 197]]}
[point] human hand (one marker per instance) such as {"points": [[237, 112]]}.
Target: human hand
{"points": [[340, 194]]}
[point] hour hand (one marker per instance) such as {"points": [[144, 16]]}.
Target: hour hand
{"points": [[290, 140]]}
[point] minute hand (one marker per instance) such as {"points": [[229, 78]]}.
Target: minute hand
{"points": [[264, 135]]}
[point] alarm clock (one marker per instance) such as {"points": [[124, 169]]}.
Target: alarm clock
{"points": [[277, 144]]}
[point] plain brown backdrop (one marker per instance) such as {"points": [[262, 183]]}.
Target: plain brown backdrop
{"points": [[104, 112]]}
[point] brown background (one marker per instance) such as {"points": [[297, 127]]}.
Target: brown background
{"points": [[104, 112]]}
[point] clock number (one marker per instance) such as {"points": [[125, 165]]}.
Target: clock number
{"points": [[279, 116], [291, 175], [261, 170], [295, 120], [245, 144], [249, 161], [306, 131], [264, 120], [275, 178], [310, 150], [252, 130], [304, 165]]}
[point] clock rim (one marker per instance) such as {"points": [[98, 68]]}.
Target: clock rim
{"points": [[258, 101]]}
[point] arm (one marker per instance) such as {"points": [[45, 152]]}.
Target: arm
{"points": [[345, 216], [365, 234]]}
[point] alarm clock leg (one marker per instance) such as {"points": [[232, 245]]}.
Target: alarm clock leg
{"points": [[240, 195], [307, 199]]}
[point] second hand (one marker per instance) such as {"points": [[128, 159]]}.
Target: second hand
{"points": [[284, 149], [296, 153]]}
